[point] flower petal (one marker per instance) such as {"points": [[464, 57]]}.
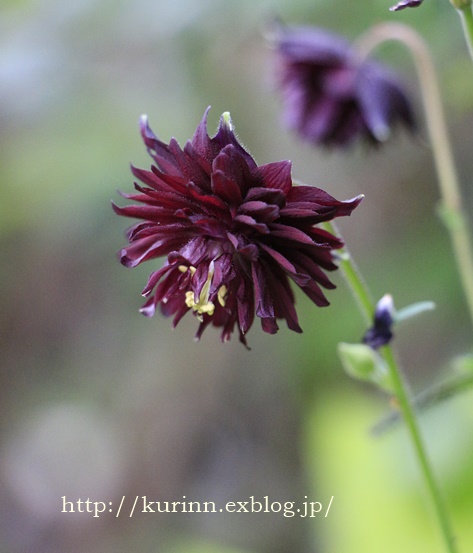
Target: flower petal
{"points": [[225, 187], [231, 162], [313, 45], [225, 136], [268, 195], [250, 222], [406, 4], [286, 265], [162, 155], [382, 101], [147, 248], [260, 211], [275, 175]]}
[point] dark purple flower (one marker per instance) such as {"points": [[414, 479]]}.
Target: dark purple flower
{"points": [[234, 233], [330, 97], [406, 4]]}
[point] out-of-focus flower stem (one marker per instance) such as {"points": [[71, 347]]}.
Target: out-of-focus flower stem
{"points": [[464, 9], [466, 16], [404, 403], [409, 415], [353, 277], [451, 207]]}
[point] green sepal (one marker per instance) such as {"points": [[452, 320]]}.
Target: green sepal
{"points": [[413, 310]]}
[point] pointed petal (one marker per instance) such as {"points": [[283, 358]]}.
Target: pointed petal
{"points": [[234, 165], [248, 221], [268, 195], [260, 211], [147, 248], [226, 136], [286, 265], [201, 140], [313, 45], [162, 155], [382, 101]]}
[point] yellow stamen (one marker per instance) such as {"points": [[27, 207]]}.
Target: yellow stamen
{"points": [[190, 299], [184, 268], [203, 305], [222, 292]]}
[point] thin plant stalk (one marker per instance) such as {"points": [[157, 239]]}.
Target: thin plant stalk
{"points": [[451, 207], [466, 16], [403, 398], [426, 399]]}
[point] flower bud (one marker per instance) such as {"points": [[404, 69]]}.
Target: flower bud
{"points": [[380, 333], [406, 4]]}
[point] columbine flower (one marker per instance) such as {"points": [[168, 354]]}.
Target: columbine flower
{"points": [[406, 4], [234, 233], [331, 97]]}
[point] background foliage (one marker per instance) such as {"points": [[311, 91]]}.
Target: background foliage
{"points": [[98, 402]]}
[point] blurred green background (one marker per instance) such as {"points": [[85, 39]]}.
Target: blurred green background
{"points": [[99, 402]]}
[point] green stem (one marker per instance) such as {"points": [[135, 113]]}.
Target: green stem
{"points": [[354, 279], [405, 406], [466, 16], [367, 307], [429, 398], [451, 208]]}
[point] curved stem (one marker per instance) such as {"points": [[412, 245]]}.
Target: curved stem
{"points": [[428, 398], [451, 208], [466, 16], [367, 307], [354, 279]]}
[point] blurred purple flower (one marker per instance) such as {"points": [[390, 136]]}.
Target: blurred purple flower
{"points": [[234, 233], [406, 4], [330, 97]]}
